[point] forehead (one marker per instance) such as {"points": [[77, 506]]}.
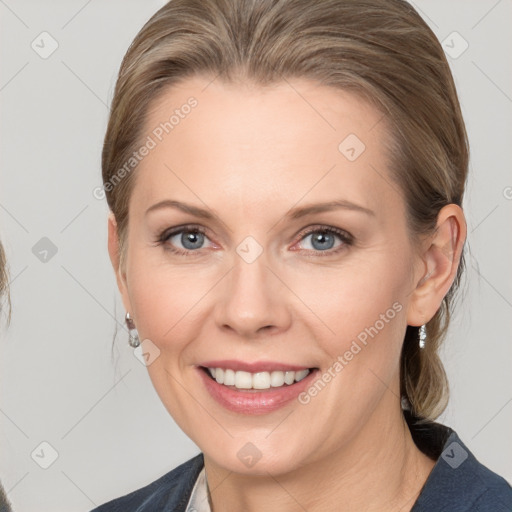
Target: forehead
{"points": [[250, 144]]}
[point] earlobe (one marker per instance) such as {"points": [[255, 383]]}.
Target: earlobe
{"points": [[440, 263]]}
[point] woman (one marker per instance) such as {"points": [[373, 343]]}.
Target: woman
{"points": [[285, 180]]}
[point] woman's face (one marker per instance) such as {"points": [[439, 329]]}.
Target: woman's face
{"points": [[274, 276]]}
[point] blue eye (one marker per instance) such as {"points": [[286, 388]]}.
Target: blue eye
{"points": [[323, 239], [191, 239]]}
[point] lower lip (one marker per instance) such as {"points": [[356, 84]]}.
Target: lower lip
{"points": [[252, 401]]}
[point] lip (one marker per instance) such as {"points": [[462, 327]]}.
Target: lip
{"points": [[254, 367], [252, 401]]}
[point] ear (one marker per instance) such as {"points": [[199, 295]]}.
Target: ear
{"points": [[439, 262], [113, 251]]}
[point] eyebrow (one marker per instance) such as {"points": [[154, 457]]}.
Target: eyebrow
{"points": [[294, 213], [184, 207]]}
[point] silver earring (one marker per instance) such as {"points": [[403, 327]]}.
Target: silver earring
{"points": [[133, 335], [423, 335]]}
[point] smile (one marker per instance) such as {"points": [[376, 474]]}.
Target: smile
{"points": [[259, 392], [258, 380]]}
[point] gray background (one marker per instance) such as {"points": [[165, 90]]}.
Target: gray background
{"points": [[61, 384]]}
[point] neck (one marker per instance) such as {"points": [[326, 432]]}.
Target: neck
{"points": [[381, 470]]}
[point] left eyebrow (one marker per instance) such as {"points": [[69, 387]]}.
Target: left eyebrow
{"points": [[296, 213]]}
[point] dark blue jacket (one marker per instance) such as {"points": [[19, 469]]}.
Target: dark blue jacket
{"points": [[457, 483]]}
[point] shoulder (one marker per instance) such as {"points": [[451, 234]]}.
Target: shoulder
{"points": [[170, 492], [5, 506], [460, 483]]}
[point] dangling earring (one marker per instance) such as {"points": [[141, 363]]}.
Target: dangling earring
{"points": [[133, 336], [422, 335]]}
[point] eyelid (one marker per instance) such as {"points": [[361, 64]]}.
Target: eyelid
{"points": [[324, 227], [167, 233]]}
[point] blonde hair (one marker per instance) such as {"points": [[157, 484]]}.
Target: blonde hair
{"points": [[380, 49], [4, 284]]}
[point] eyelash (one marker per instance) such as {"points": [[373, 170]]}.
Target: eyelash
{"points": [[345, 237]]}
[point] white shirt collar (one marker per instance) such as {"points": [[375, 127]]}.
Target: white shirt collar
{"points": [[198, 501]]}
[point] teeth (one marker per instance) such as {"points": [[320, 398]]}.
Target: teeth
{"points": [[259, 380], [229, 378]]}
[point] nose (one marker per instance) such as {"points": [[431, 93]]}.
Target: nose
{"points": [[254, 301]]}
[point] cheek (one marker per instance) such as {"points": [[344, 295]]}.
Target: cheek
{"points": [[167, 299], [167, 305], [352, 297], [362, 308], [363, 320]]}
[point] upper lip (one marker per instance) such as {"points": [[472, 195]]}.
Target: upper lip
{"points": [[254, 367]]}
